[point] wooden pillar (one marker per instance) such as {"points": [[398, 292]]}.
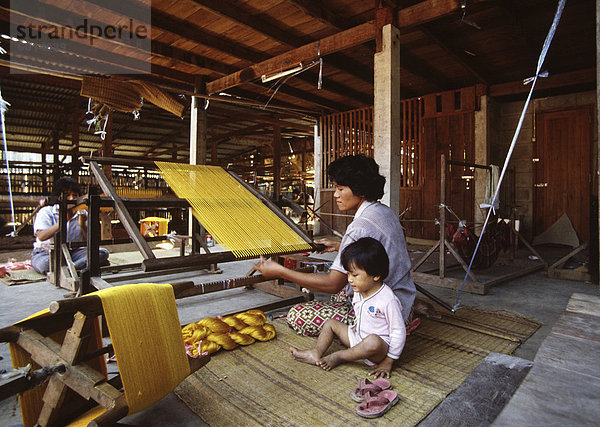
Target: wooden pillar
{"points": [[319, 179], [276, 162], [304, 142], [598, 114], [75, 163], [107, 147], [482, 155], [107, 151], [198, 125], [56, 159], [213, 154], [45, 189], [386, 115]]}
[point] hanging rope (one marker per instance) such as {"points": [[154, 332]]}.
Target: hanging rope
{"points": [[533, 81], [3, 108]]}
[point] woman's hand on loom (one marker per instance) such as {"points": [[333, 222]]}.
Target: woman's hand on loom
{"points": [[269, 268], [330, 245]]}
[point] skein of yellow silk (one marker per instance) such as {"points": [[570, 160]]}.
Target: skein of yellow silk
{"points": [[212, 333]]}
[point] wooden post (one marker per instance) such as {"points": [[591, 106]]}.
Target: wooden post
{"points": [[75, 163], [598, 117], [107, 148], [198, 125], [213, 154], [386, 114], [107, 151], [320, 180], [197, 131], [56, 161], [276, 162], [442, 216]]}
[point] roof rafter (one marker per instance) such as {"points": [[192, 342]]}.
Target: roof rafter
{"points": [[457, 54], [340, 41]]}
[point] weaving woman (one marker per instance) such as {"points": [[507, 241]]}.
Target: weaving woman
{"points": [[358, 185]]}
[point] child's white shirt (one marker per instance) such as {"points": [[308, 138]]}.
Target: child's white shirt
{"points": [[380, 314]]}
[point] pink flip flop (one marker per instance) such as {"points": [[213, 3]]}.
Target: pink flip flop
{"points": [[368, 387], [376, 406]]}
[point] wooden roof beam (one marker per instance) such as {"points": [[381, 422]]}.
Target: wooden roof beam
{"points": [[418, 67], [457, 54], [270, 29], [328, 45], [553, 81], [509, 8], [317, 11], [430, 10]]}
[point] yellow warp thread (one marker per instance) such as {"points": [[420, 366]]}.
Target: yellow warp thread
{"points": [[236, 218], [212, 333], [145, 333]]}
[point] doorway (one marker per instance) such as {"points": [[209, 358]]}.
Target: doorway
{"points": [[562, 170]]}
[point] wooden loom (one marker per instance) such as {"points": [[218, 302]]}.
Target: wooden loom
{"points": [[472, 284], [96, 277], [66, 344]]}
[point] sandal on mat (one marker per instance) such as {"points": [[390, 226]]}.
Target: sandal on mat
{"points": [[376, 406], [371, 387]]}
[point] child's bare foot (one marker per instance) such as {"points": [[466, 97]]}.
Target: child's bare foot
{"points": [[330, 362], [307, 356]]}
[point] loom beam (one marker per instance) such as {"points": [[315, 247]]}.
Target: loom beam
{"points": [[60, 402]]}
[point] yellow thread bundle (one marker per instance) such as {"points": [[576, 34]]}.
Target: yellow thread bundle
{"points": [[236, 218], [210, 334]]}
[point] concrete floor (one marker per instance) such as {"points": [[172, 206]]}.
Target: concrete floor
{"points": [[534, 296]]}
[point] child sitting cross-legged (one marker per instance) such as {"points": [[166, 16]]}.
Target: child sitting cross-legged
{"points": [[378, 333]]}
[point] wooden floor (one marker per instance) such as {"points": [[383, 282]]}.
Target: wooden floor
{"points": [[563, 386]]}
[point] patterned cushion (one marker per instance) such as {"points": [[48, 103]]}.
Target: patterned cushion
{"points": [[341, 296], [308, 318]]}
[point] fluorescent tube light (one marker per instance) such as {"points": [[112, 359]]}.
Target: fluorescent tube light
{"points": [[268, 77]]}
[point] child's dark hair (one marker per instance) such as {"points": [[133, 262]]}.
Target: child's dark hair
{"points": [[368, 255], [360, 173], [64, 185]]}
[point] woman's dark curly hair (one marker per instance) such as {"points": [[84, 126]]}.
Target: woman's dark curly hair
{"points": [[360, 173]]}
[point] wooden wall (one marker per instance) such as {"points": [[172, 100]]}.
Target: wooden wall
{"points": [[431, 125]]}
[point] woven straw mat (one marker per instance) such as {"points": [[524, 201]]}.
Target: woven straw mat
{"points": [[261, 384]]}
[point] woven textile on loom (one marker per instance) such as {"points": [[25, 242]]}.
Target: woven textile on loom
{"points": [[236, 218], [146, 336]]}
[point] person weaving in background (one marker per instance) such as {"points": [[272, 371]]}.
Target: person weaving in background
{"points": [[46, 224]]}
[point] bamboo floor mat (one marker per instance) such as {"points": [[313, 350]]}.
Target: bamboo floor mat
{"points": [[261, 384]]}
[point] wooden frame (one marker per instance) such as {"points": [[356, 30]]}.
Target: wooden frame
{"points": [[556, 270], [92, 277], [472, 284], [74, 385]]}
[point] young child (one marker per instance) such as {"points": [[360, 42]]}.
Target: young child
{"points": [[378, 334]]}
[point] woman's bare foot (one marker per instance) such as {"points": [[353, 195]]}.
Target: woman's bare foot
{"points": [[307, 356], [330, 362]]}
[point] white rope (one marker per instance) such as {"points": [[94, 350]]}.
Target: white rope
{"points": [[533, 80], [3, 108]]}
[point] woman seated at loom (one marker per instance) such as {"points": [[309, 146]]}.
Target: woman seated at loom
{"points": [[46, 224], [358, 185]]}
